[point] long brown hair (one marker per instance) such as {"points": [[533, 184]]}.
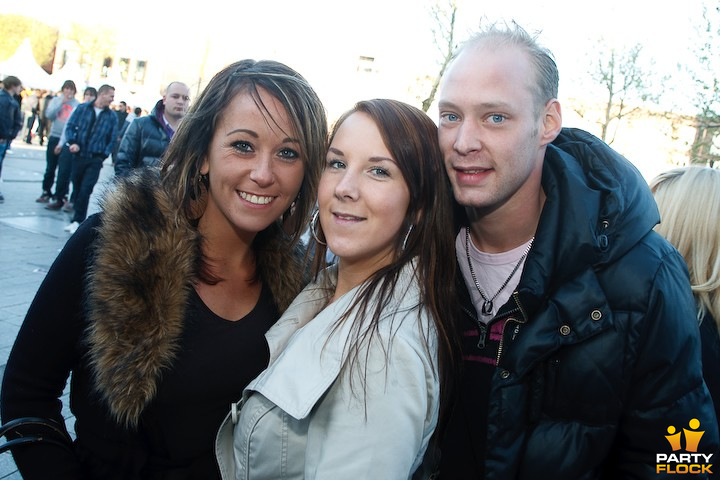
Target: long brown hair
{"points": [[185, 155], [411, 138]]}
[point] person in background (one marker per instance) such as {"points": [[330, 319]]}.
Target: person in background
{"points": [[30, 104], [43, 121], [57, 112], [90, 131], [159, 303], [689, 202], [10, 116], [360, 360], [65, 164], [147, 138], [122, 113], [579, 340], [132, 116]]}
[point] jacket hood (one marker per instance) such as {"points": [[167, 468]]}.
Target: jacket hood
{"points": [[598, 207], [158, 110], [138, 286]]}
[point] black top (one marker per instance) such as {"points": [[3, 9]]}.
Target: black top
{"points": [[216, 358]]}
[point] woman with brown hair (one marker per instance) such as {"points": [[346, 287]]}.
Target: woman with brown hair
{"points": [[360, 360], [159, 304]]}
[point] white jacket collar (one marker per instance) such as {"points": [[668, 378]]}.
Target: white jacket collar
{"points": [[305, 358]]}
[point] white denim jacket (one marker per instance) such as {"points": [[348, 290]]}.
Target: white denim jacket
{"points": [[302, 418]]}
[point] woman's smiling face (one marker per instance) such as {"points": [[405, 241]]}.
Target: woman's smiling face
{"points": [[254, 163], [363, 196]]}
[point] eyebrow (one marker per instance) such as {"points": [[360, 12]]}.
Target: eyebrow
{"points": [[381, 159], [483, 105], [243, 130], [372, 159], [255, 135]]}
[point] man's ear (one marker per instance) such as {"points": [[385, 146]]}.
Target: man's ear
{"points": [[552, 121]]}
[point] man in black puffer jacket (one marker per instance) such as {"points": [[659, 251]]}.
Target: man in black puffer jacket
{"points": [[580, 347], [147, 138]]}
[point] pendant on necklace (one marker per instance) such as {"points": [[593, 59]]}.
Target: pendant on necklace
{"points": [[487, 307]]}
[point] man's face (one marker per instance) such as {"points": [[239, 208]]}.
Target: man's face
{"points": [[68, 93], [105, 98], [489, 129], [176, 100]]}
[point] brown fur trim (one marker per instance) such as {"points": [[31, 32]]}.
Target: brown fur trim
{"points": [[138, 289]]}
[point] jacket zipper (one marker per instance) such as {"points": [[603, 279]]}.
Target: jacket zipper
{"points": [[511, 319], [482, 328]]}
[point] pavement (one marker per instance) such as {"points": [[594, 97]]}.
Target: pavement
{"points": [[30, 239]]}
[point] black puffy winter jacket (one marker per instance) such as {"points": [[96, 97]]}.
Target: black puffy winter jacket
{"points": [[600, 352], [143, 143]]}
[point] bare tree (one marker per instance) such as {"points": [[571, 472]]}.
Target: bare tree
{"points": [[94, 44], [627, 83], [42, 37], [444, 38], [705, 148]]}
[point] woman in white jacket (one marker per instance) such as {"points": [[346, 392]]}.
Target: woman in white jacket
{"points": [[359, 360]]}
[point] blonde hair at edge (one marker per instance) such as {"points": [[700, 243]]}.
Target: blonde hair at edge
{"points": [[689, 202]]}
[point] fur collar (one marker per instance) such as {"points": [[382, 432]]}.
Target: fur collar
{"points": [[138, 287]]}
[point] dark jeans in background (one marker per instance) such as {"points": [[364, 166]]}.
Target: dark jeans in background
{"points": [[64, 173], [30, 122], [4, 146], [51, 165], [85, 174]]}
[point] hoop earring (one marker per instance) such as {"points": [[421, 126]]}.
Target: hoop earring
{"points": [[407, 235], [204, 179], [199, 186], [313, 227]]}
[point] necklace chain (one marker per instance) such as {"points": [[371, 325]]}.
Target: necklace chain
{"points": [[487, 307]]}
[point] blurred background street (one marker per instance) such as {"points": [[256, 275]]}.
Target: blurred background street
{"points": [[30, 239]]}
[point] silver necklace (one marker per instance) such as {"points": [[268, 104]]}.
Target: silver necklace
{"points": [[487, 307]]}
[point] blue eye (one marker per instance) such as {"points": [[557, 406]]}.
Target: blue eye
{"points": [[379, 172], [496, 118], [335, 164], [242, 146], [289, 154], [450, 117]]}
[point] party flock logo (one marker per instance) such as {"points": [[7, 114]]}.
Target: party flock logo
{"points": [[689, 462]]}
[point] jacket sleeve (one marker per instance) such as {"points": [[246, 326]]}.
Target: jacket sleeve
{"points": [[6, 123], [44, 353], [72, 125], [17, 124], [111, 138], [54, 107], [129, 151], [667, 390], [63, 136], [376, 426]]}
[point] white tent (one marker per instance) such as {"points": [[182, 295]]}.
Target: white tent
{"points": [[22, 64]]}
